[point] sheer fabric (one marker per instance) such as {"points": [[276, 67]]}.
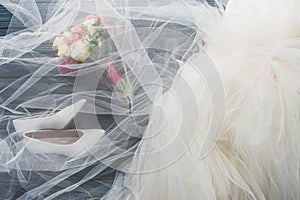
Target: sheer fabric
{"points": [[215, 110]]}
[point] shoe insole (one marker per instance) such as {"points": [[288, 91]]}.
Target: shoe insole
{"points": [[62, 137]]}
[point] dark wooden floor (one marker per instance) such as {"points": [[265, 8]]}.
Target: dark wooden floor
{"points": [[10, 187]]}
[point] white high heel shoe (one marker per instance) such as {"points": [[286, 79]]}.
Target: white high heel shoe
{"points": [[58, 120], [66, 142]]}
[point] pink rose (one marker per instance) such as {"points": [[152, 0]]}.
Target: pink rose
{"points": [[89, 17], [71, 39], [112, 75], [62, 68], [76, 34], [77, 29], [102, 24]]}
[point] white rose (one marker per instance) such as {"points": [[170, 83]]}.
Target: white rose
{"points": [[90, 25], [80, 50], [67, 34], [63, 51], [61, 47], [58, 42]]}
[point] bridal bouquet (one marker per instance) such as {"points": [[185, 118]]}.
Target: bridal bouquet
{"points": [[75, 45]]}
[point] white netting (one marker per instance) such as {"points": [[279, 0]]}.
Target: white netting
{"points": [[172, 134]]}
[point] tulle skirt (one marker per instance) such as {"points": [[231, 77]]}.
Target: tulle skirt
{"points": [[224, 126], [256, 153]]}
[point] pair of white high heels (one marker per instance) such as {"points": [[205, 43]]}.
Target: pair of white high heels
{"points": [[45, 134]]}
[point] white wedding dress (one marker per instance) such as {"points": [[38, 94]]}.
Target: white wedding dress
{"points": [[255, 52], [227, 128]]}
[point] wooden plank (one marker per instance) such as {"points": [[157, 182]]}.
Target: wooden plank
{"points": [[10, 188], [4, 20]]}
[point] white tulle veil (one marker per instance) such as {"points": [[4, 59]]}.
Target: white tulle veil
{"points": [[213, 110], [157, 38]]}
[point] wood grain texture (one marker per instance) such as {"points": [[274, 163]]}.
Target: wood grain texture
{"points": [[10, 186]]}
